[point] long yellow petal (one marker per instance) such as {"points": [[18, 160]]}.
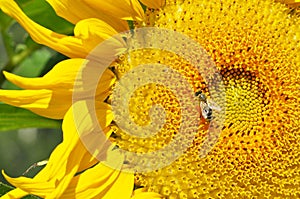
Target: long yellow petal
{"points": [[35, 100], [15, 193], [61, 77], [77, 10], [123, 9], [67, 155], [52, 174], [25, 183], [67, 159], [103, 182], [154, 3], [43, 102], [77, 123], [67, 45], [51, 95], [87, 34], [56, 175]]}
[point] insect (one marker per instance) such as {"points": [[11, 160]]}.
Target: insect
{"points": [[207, 106]]}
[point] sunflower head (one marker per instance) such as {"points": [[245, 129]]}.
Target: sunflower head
{"points": [[254, 47], [199, 100]]}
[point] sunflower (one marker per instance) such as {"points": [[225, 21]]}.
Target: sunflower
{"points": [[253, 47]]}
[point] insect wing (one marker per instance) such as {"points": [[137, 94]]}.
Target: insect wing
{"points": [[213, 105]]}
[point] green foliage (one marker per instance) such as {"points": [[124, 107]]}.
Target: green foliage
{"points": [[17, 46], [5, 20], [41, 12], [4, 188], [32, 66], [14, 118]]}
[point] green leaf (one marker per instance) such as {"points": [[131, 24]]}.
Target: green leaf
{"points": [[5, 21], [15, 118], [41, 12], [5, 188], [32, 66]]}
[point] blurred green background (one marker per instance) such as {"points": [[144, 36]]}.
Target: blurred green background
{"points": [[19, 149], [26, 138]]}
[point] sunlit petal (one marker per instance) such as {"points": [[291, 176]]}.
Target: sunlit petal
{"points": [[93, 31], [123, 9], [51, 95], [61, 77], [53, 180], [67, 45], [76, 10], [94, 182], [15, 193]]}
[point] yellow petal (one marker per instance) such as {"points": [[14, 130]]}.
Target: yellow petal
{"points": [[60, 169], [57, 174], [38, 101], [101, 182], [67, 45], [71, 129], [51, 95], [123, 186], [93, 31], [69, 157], [154, 3], [25, 183], [123, 9], [15, 193], [76, 10], [61, 77], [75, 126], [79, 123], [82, 123]]}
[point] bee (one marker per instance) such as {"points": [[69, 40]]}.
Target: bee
{"points": [[206, 105]]}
